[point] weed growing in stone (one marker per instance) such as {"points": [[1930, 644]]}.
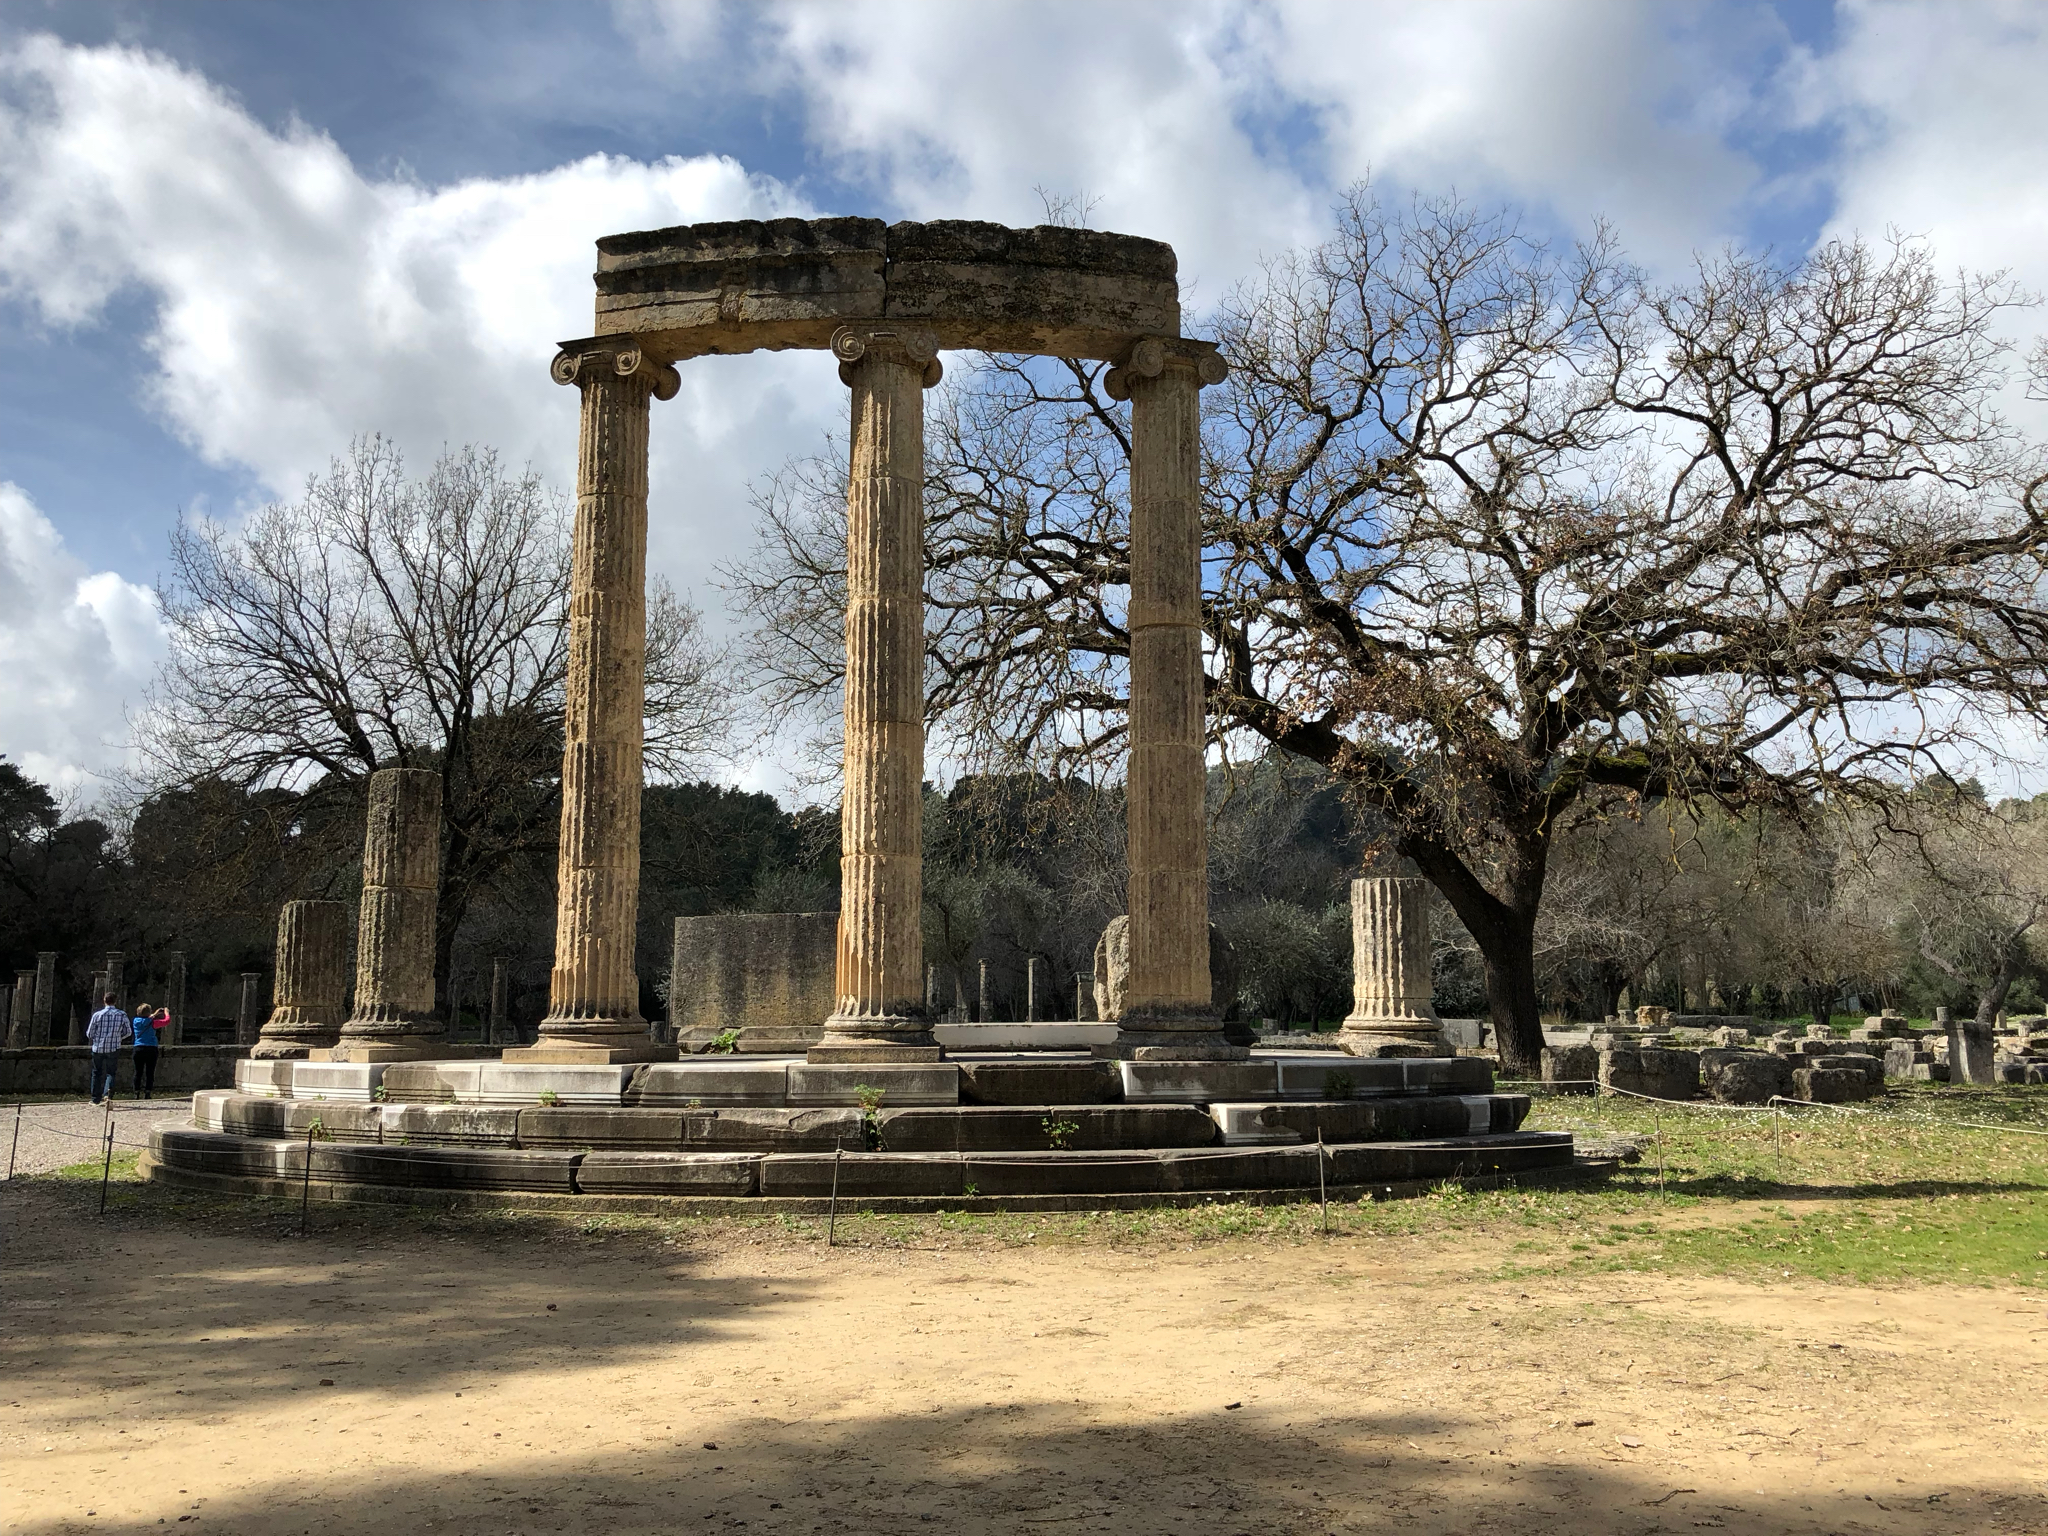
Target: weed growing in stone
{"points": [[1059, 1134]]}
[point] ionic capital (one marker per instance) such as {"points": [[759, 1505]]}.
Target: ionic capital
{"points": [[910, 345], [1152, 356], [585, 362]]}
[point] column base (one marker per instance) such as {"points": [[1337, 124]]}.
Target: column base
{"points": [[562, 1053], [1384, 1037], [1203, 1043], [884, 1038], [283, 1050], [380, 1050]]}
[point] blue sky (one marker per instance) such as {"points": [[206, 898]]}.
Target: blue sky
{"points": [[233, 234]]}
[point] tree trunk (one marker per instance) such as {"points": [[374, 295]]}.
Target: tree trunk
{"points": [[1993, 997], [1820, 1001], [1505, 931], [1511, 999]]}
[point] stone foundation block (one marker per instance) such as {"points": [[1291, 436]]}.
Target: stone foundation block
{"points": [[774, 1130], [447, 1167], [1383, 1119], [450, 1125], [226, 1153], [637, 1129], [1871, 1067], [431, 1082], [518, 1083], [1745, 1077], [208, 1106], [248, 1114], [1392, 1162], [339, 1120], [357, 1081], [1833, 1085], [1576, 1067], [902, 1083], [269, 1079], [1081, 1127], [1661, 1074], [668, 1173], [1053, 1035], [1040, 1082], [711, 1082], [1198, 1082], [863, 1173]]}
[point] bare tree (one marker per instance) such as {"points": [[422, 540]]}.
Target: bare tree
{"points": [[381, 621], [1505, 536], [1970, 883]]}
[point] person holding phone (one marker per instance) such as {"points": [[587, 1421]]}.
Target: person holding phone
{"points": [[149, 1028]]}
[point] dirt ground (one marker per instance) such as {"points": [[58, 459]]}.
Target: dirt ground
{"points": [[400, 1376]]}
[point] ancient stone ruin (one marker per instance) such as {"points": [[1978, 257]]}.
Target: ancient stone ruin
{"points": [[818, 1080]]}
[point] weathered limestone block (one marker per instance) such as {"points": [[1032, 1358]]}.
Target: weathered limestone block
{"points": [[1391, 984], [769, 975], [1872, 1067], [1659, 1074], [1832, 1085], [879, 1012], [1745, 1077], [394, 1017], [1575, 1067], [21, 1022], [1971, 1051], [1902, 1056], [313, 953]]}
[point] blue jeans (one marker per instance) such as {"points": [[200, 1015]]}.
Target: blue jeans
{"points": [[103, 1065]]}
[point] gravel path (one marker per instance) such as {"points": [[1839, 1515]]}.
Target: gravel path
{"points": [[54, 1136]]}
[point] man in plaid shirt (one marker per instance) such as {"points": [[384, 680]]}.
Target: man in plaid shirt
{"points": [[106, 1032]]}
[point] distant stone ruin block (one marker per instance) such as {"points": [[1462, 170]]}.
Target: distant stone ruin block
{"points": [[1745, 1077], [767, 975], [1833, 1085], [1574, 1067], [1659, 1074]]}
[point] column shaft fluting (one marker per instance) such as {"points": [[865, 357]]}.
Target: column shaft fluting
{"points": [[314, 947], [593, 990], [1392, 1012], [393, 1018], [880, 1010], [1168, 1010], [21, 1030]]}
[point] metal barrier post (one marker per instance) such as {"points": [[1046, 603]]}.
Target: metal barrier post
{"points": [[107, 1170], [832, 1210], [15, 1145]]}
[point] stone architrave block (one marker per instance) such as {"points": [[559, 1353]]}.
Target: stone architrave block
{"points": [[1832, 1085], [1745, 1077], [1576, 1068], [768, 975], [1656, 1073]]}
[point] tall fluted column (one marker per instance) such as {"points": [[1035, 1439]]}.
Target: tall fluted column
{"points": [[313, 947], [593, 991], [880, 1014], [1168, 1012], [1391, 987], [394, 1016]]}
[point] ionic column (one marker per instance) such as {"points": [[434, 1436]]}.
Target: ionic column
{"points": [[1392, 1012], [880, 1014], [394, 1016], [593, 990], [1168, 1012], [313, 951]]}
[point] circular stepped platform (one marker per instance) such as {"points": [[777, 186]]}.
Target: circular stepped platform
{"points": [[988, 1131]]}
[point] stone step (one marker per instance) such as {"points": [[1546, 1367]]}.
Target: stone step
{"points": [[1388, 1119], [988, 1128]]}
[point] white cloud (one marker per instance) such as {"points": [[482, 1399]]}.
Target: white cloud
{"points": [[75, 648]]}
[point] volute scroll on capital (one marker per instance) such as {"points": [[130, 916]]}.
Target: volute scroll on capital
{"points": [[580, 362], [900, 343], [1151, 356]]}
